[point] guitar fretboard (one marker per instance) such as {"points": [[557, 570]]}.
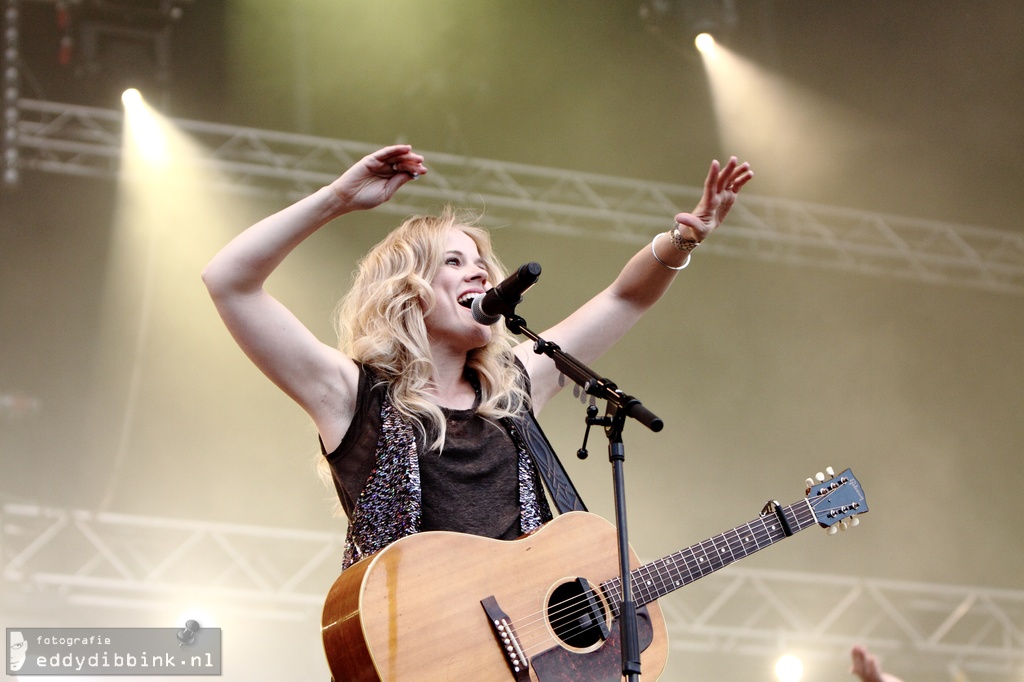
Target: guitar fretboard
{"points": [[656, 579]]}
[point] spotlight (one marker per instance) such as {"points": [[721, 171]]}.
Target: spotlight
{"points": [[706, 18], [131, 98], [705, 42], [117, 43], [789, 668]]}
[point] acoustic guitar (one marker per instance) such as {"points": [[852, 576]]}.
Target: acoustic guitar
{"points": [[544, 608]]}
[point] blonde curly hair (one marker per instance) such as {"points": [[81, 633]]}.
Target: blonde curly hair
{"points": [[381, 322]]}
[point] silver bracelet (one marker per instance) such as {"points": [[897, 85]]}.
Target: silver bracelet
{"points": [[663, 263]]}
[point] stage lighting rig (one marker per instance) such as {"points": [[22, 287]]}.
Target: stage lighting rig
{"points": [[686, 19], [10, 83], [116, 44]]}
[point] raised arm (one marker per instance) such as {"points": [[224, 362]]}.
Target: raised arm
{"points": [[317, 376], [604, 319], [867, 667]]}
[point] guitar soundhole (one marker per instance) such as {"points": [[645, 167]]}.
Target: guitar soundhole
{"points": [[576, 616]]}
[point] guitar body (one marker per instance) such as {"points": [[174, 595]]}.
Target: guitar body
{"points": [[413, 613]]}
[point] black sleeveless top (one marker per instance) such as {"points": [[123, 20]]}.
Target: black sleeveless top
{"points": [[473, 486], [477, 470]]}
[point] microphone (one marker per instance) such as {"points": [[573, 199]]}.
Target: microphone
{"points": [[503, 299]]}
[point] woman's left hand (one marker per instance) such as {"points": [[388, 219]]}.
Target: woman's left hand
{"points": [[720, 190]]}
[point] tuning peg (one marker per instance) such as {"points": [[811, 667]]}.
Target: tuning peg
{"points": [[843, 525], [854, 521], [832, 530], [819, 477], [809, 483], [830, 472]]}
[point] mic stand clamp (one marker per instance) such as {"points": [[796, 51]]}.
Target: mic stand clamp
{"points": [[592, 420], [619, 407]]}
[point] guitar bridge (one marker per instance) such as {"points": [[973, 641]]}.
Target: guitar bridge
{"points": [[506, 637]]}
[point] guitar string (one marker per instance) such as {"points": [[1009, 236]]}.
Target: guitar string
{"points": [[527, 626], [572, 606], [687, 558], [692, 564]]}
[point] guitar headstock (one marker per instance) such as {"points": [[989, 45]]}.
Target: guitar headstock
{"points": [[836, 501]]}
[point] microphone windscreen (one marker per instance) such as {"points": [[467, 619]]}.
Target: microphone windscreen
{"points": [[479, 315]]}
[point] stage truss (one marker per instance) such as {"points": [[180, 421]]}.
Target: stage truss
{"points": [[121, 561], [85, 141]]}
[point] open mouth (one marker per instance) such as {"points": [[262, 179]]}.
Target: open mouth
{"points": [[466, 300]]}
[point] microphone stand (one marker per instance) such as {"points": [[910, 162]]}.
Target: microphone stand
{"points": [[619, 407]]}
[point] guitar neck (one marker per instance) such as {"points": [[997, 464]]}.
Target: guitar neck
{"points": [[656, 579]]}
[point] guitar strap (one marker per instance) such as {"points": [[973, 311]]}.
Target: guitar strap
{"points": [[557, 480]]}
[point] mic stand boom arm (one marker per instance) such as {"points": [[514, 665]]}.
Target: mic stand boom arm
{"points": [[620, 406], [586, 378]]}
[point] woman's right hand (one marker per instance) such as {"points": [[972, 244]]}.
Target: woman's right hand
{"points": [[377, 176]]}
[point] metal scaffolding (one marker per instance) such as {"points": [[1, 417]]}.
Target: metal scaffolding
{"points": [[76, 140], [953, 632], [125, 561]]}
